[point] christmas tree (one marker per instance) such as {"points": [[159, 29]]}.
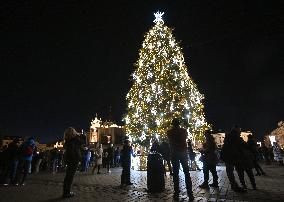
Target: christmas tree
{"points": [[162, 90]]}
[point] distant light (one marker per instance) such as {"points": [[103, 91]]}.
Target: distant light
{"points": [[272, 139], [158, 17]]}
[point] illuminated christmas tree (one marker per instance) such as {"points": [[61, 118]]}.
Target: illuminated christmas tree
{"points": [[162, 90]]}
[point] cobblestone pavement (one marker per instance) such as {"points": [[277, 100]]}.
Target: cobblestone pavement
{"points": [[105, 187]]}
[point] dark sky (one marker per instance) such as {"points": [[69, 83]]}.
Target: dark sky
{"points": [[64, 61]]}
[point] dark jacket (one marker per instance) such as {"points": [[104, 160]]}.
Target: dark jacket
{"points": [[13, 151], [54, 154], [117, 152], [165, 150], [252, 146], [177, 139], [126, 153], [190, 151], [110, 153], [247, 157], [230, 153], [73, 150], [155, 147], [235, 151], [208, 151]]}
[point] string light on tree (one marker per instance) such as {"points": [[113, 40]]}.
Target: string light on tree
{"points": [[162, 90]]}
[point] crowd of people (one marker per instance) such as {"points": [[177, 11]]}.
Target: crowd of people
{"points": [[236, 154], [18, 160], [25, 158], [74, 142]]}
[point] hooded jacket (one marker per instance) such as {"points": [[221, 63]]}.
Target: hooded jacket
{"points": [[26, 150]]}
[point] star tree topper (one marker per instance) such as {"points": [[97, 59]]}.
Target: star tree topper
{"points": [[158, 17]]}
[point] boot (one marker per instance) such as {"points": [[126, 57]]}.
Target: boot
{"points": [[214, 184], [176, 196], [204, 186], [68, 195], [238, 189], [190, 196]]}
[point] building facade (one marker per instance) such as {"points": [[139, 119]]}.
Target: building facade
{"points": [[105, 133], [6, 140], [277, 135]]}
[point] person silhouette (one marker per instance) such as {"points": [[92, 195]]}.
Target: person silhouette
{"points": [[177, 139], [209, 161], [72, 156]]}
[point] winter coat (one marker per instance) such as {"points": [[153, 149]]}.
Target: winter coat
{"points": [[247, 158], [73, 148], [26, 150], [110, 153], [13, 151], [117, 152], [126, 153], [177, 139], [191, 153], [277, 153], [235, 151], [155, 147], [54, 154], [209, 154], [165, 150], [88, 157], [252, 146], [99, 156], [4, 157]]}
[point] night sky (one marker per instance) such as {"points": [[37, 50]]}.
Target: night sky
{"points": [[64, 61]]}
